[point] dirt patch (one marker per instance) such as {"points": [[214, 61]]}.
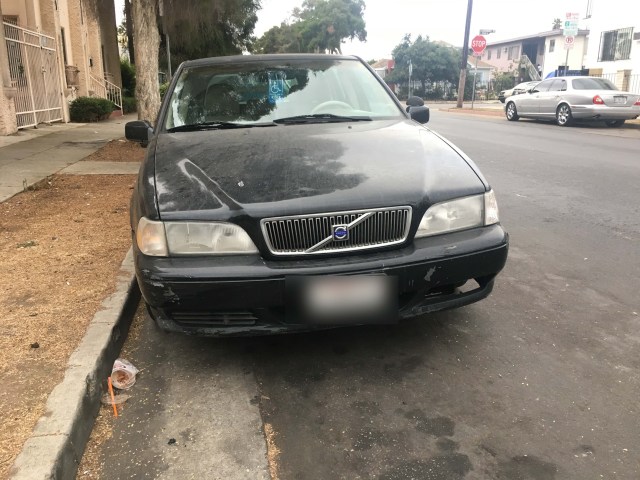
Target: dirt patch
{"points": [[119, 150], [61, 245]]}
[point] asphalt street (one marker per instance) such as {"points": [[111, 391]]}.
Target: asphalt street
{"points": [[539, 381]]}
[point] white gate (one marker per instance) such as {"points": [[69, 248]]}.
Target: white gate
{"points": [[34, 69]]}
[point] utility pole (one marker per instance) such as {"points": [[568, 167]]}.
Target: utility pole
{"points": [[463, 63]]}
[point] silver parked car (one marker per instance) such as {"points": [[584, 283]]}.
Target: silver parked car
{"points": [[566, 99]]}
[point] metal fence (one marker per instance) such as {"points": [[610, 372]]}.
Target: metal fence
{"points": [[35, 73], [628, 83]]}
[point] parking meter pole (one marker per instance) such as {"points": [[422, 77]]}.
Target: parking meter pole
{"points": [[566, 63], [475, 73]]}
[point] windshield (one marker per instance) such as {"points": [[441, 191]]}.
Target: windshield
{"points": [[262, 92], [592, 84]]}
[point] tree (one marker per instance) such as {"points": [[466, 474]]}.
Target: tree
{"points": [[129, 30], [209, 28], [319, 26], [285, 38], [557, 24], [432, 61], [146, 41]]}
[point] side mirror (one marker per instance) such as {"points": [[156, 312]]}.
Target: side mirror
{"points": [[138, 131], [419, 114], [414, 101]]}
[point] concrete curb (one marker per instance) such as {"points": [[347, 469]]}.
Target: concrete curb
{"points": [[58, 440]]}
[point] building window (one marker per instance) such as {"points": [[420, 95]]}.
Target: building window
{"points": [[488, 54], [615, 45], [498, 52], [552, 45], [63, 40], [514, 52]]}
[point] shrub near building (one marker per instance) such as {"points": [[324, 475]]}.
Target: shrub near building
{"points": [[90, 109]]}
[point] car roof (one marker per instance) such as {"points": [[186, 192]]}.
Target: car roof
{"points": [[266, 58]]}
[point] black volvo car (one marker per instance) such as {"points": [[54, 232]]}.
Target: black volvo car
{"points": [[293, 192]]}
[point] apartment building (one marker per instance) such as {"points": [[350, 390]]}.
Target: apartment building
{"points": [[52, 51]]}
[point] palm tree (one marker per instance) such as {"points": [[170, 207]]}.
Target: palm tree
{"points": [[557, 24]]}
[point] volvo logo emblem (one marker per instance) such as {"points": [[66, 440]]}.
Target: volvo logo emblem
{"points": [[340, 232]]}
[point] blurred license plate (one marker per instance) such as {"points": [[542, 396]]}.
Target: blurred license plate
{"points": [[619, 100], [355, 299]]}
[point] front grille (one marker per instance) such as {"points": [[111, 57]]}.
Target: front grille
{"points": [[215, 319], [314, 234]]}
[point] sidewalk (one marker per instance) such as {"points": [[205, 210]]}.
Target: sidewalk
{"points": [[31, 155], [59, 282]]}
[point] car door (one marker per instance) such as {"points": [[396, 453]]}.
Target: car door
{"points": [[548, 101], [528, 102]]}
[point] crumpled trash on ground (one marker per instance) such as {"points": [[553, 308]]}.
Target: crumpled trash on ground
{"points": [[123, 374]]}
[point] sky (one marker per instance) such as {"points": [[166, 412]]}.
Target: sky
{"points": [[388, 20]]}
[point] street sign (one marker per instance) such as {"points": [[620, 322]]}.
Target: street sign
{"points": [[570, 26], [569, 42], [478, 44]]}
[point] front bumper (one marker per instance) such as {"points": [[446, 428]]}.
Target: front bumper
{"points": [[604, 112], [238, 295]]}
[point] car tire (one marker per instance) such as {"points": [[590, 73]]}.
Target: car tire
{"points": [[563, 115], [614, 123], [512, 112]]}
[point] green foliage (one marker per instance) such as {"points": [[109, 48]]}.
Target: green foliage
{"points": [[557, 24], [283, 39], [128, 73], [90, 109], [208, 28], [319, 26], [129, 104], [433, 62], [163, 89], [504, 81]]}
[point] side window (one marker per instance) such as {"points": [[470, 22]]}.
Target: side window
{"points": [[555, 86], [558, 86], [544, 86]]}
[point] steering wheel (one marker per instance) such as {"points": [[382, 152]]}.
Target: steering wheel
{"points": [[331, 104]]}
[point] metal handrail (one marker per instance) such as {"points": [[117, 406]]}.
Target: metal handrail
{"points": [[103, 88], [529, 67]]}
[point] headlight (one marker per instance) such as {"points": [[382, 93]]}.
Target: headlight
{"points": [[199, 238], [192, 238], [459, 214], [151, 238]]}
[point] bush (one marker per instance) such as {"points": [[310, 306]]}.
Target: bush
{"points": [[129, 104], [128, 73], [163, 89], [90, 109]]}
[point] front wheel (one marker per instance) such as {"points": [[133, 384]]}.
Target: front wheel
{"points": [[563, 115], [512, 112], [614, 123]]}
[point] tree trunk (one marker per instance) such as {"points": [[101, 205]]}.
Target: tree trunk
{"points": [[147, 43], [129, 28]]}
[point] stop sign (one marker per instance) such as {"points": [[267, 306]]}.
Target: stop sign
{"points": [[478, 44]]}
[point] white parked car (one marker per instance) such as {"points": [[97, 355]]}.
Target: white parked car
{"points": [[517, 90]]}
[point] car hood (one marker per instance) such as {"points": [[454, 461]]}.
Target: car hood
{"points": [[309, 168]]}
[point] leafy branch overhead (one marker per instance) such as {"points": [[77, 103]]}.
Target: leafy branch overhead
{"points": [[319, 26]]}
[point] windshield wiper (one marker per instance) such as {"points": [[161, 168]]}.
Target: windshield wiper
{"points": [[192, 127], [321, 118]]}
